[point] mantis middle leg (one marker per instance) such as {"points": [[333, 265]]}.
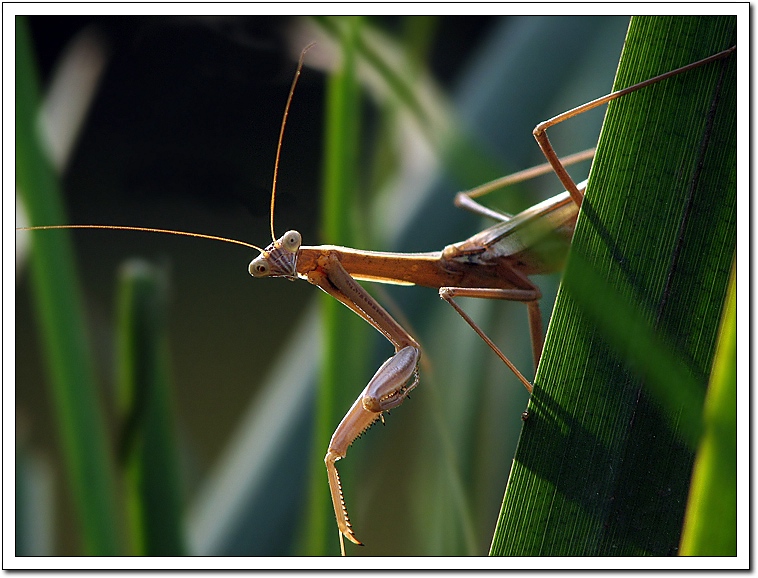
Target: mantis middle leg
{"points": [[530, 297]]}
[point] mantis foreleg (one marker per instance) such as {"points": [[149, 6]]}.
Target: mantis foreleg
{"points": [[386, 390]]}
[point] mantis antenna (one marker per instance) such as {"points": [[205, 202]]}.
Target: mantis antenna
{"points": [[281, 132], [144, 229]]}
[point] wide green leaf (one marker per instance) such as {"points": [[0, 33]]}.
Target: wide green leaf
{"points": [[604, 461]]}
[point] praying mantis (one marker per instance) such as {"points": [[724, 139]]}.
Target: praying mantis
{"points": [[493, 264], [325, 273]]}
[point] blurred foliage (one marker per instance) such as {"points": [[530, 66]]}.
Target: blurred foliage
{"points": [[147, 449], [710, 527], [80, 420]]}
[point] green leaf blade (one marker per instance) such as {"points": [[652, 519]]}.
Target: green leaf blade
{"points": [[617, 400]]}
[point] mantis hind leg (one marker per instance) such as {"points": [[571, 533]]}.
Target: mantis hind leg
{"points": [[540, 131], [558, 165]]}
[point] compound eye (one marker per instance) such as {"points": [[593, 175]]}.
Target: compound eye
{"points": [[291, 241], [259, 267]]}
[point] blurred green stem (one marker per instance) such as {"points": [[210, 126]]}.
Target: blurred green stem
{"points": [[343, 351], [81, 425], [148, 445]]}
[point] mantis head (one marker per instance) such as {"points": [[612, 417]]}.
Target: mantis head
{"points": [[279, 259]]}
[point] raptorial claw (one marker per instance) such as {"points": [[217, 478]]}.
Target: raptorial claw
{"points": [[387, 389], [338, 499], [355, 422]]}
